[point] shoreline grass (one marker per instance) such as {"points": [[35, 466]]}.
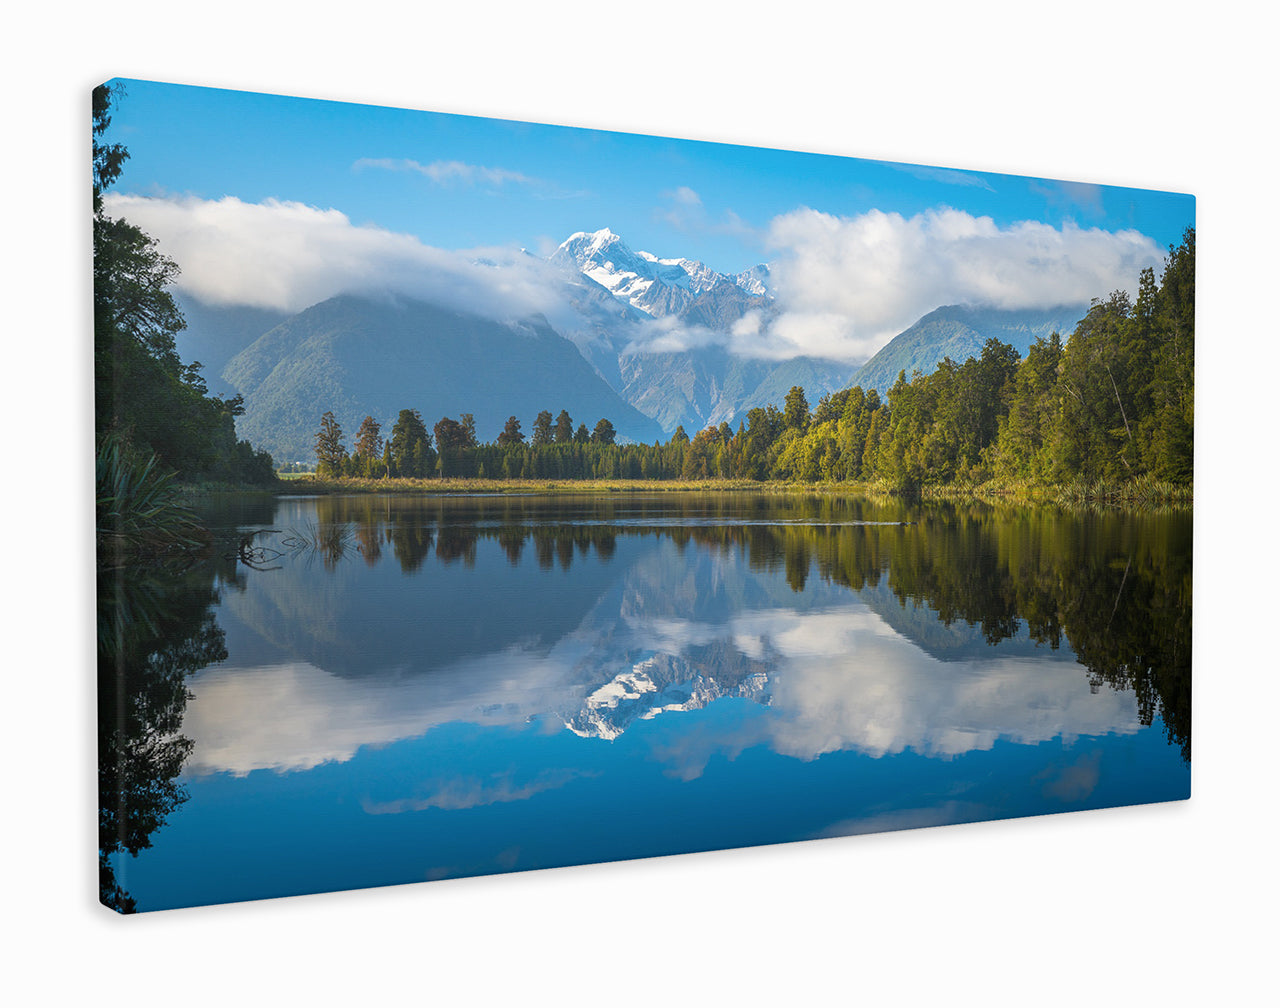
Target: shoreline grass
{"points": [[1138, 493]]}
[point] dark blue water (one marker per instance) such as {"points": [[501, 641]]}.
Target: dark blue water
{"points": [[426, 689]]}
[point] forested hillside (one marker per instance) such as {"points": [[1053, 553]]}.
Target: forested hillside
{"points": [[960, 332], [1114, 402]]}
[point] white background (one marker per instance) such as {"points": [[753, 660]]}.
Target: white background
{"points": [[1168, 903]]}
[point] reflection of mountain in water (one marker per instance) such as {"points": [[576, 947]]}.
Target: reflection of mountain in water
{"points": [[958, 640], [941, 636], [663, 638], [667, 682]]}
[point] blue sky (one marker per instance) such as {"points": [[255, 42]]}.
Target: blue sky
{"points": [[861, 248]]}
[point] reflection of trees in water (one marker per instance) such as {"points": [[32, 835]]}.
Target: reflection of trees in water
{"points": [[155, 627], [153, 631], [1115, 585]]}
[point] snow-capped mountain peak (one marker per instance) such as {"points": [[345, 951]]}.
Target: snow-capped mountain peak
{"points": [[652, 284], [585, 244]]}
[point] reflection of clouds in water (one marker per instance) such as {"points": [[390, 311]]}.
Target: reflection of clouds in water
{"points": [[868, 688], [839, 679], [296, 716], [892, 697], [842, 680], [946, 813], [472, 792], [1075, 782]]}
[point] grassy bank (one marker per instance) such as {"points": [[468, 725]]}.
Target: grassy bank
{"points": [[306, 484], [1144, 492]]}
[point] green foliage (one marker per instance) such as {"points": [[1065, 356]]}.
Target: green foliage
{"points": [[959, 332], [367, 459], [331, 453], [452, 441], [542, 434], [604, 433], [410, 446], [138, 516], [511, 433], [1112, 407], [796, 413], [143, 393], [108, 159], [564, 428]]}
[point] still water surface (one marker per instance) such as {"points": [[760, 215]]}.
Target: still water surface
{"points": [[363, 691]]}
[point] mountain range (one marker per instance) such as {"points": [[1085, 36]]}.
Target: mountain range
{"points": [[361, 356], [641, 340], [958, 332]]}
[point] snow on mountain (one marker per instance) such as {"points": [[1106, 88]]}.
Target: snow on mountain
{"points": [[703, 383], [656, 286], [662, 682], [755, 281]]}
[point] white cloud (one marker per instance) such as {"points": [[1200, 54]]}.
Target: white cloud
{"points": [[847, 285], [448, 172], [844, 286], [670, 335], [683, 209], [947, 176], [685, 196], [288, 255]]}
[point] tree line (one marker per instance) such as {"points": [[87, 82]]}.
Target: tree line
{"points": [[451, 447], [1114, 402]]}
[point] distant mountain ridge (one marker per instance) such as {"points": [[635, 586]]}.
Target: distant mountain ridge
{"points": [[958, 332], [642, 340], [214, 335], [360, 356]]}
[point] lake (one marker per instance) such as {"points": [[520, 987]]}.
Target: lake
{"points": [[372, 690]]}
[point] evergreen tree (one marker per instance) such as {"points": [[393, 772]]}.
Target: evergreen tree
{"points": [[1173, 377], [564, 428], [451, 443], [368, 446], [330, 451], [699, 458], [796, 412], [1022, 449], [541, 429], [511, 434], [411, 451], [604, 433], [1094, 438]]}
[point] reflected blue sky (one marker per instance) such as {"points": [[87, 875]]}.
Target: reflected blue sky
{"points": [[665, 697]]}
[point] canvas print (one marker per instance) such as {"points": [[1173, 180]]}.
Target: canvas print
{"points": [[478, 496]]}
